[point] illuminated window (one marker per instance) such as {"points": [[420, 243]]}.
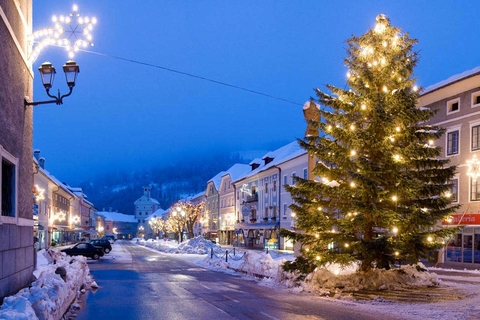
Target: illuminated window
{"points": [[474, 189]]}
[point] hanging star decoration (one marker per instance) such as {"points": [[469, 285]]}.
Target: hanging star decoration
{"points": [[71, 32]]}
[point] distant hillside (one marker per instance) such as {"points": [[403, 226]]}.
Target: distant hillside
{"points": [[119, 189]]}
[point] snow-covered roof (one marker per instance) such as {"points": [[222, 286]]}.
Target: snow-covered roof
{"points": [[216, 180], [145, 198], [158, 214], [237, 170], [281, 155], [116, 216], [452, 79], [196, 196], [60, 184]]}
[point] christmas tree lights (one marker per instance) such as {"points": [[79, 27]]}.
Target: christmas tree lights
{"points": [[383, 187]]}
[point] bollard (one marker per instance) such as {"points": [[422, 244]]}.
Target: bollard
{"points": [[226, 255], [62, 272], [267, 250], [211, 253], [233, 251]]}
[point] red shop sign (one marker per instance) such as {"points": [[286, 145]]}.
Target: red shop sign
{"points": [[463, 219]]}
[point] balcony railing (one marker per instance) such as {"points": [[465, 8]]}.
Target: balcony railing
{"points": [[252, 198]]}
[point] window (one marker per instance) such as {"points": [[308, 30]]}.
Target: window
{"points": [[453, 106], [274, 215], [8, 187], [266, 187], [305, 174], [454, 189], [476, 99], [476, 137], [285, 180], [294, 176], [285, 209], [452, 142], [474, 189], [274, 186]]}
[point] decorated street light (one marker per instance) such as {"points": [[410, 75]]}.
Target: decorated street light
{"points": [[47, 72]]}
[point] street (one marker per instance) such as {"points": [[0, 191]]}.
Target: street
{"points": [[154, 285]]}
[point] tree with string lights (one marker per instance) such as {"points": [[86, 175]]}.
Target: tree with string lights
{"points": [[157, 224], [380, 189]]}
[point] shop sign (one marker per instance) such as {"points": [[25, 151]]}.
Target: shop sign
{"points": [[463, 219]]}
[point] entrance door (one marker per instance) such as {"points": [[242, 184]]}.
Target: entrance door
{"points": [[467, 248]]}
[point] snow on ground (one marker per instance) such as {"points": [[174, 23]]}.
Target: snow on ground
{"points": [[50, 296], [321, 282]]}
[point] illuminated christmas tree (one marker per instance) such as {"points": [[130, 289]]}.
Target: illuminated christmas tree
{"points": [[381, 189]]}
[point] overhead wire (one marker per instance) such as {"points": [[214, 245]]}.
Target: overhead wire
{"points": [[193, 76]]}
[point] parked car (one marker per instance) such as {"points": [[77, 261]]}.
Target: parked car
{"points": [[85, 249], [104, 243]]}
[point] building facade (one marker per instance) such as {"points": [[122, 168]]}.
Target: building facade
{"points": [[227, 216], [457, 105], [16, 81], [212, 205], [261, 201], [144, 207]]}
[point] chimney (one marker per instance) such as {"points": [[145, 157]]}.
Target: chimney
{"points": [[41, 162], [36, 154]]}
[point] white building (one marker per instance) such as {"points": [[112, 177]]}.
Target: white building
{"points": [[261, 201], [144, 207]]}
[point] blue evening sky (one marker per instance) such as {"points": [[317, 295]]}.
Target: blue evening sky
{"points": [[124, 114]]}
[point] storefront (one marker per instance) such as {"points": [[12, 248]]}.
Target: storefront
{"points": [[464, 246], [257, 235]]}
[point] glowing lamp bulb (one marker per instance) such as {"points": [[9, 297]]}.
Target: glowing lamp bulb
{"points": [[429, 239], [394, 198], [395, 230]]}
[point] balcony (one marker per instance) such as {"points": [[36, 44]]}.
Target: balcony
{"points": [[252, 198]]}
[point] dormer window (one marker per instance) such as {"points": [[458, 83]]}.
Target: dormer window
{"points": [[268, 160]]}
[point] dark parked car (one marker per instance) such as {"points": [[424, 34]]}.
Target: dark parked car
{"points": [[85, 249], [104, 243]]}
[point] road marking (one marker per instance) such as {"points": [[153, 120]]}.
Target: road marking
{"points": [[205, 286], [268, 316], [231, 299]]}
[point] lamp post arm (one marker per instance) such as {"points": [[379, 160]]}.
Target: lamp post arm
{"points": [[65, 95], [58, 99]]}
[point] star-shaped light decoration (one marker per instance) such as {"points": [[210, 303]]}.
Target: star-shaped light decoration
{"points": [[473, 168], [71, 32]]}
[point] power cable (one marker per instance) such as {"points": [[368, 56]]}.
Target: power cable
{"points": [[193, 76]]}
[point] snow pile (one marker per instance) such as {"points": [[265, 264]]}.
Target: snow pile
{"points": [[332, 279], [49, 296], [197, 245], [261, 264]]}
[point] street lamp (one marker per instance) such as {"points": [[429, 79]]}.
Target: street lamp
{"points": [[47, 72]]}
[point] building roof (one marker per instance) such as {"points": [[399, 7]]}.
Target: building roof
{"points": [[452, 79], [216, 180], [237, 170], [281, 155], [116, 216]]}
